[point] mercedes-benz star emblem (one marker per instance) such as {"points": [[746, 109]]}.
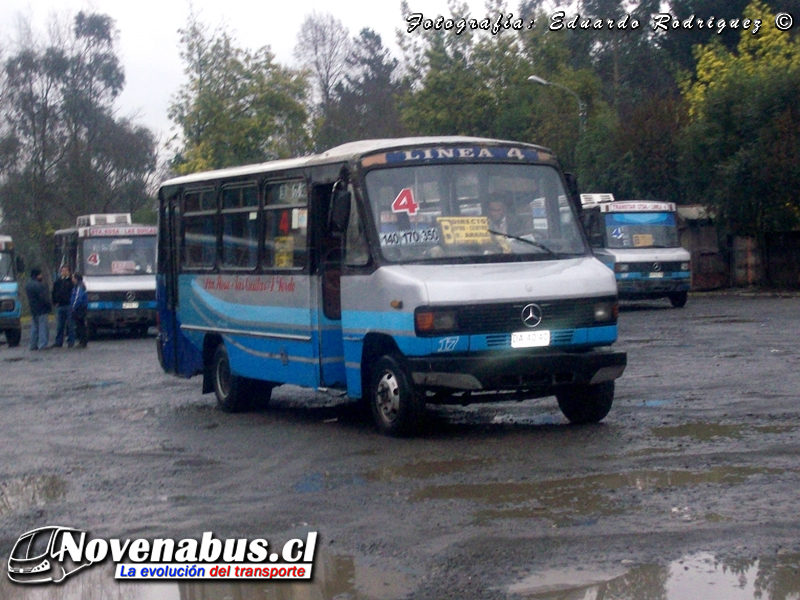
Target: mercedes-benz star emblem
{"points": [[532, 315], [656, 266], [130, 296]]}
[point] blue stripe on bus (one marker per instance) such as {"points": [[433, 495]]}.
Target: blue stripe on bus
{"points": [[150, 304], [646, 276]]}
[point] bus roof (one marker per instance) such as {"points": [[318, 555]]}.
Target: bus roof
{"points": [[345, 152]]}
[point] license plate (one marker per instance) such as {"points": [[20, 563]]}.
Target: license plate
{"points": [[130, 305], [530, 339], [656, 275]]}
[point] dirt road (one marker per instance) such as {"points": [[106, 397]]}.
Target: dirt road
{"points": [[692, 480]]}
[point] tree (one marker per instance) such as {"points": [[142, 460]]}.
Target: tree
{"points": [[323, 47], [364, 105], [63, 149], [237, 106], [742, 147]]}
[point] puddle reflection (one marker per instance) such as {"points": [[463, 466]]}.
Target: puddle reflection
{"points": [[335, 576], [564, 500], [696, 576]]}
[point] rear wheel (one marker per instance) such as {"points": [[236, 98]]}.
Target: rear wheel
{"points": [[13, 337], [396, 407], [678, 299], [230, 389], [586, 403]]}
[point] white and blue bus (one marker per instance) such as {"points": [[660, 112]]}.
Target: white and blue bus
{"points": [[405, 272], [118, 262], [10, 267], [639, 241]]}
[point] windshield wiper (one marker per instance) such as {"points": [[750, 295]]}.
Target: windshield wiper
{"points": [[533, 243]]}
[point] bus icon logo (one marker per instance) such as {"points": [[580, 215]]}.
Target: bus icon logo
{"points": [[39, 556]]}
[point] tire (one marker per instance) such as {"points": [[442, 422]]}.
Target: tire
{"points": [[678, 299], [13, 337], [231, 390], [396, 407], [586, 403]]}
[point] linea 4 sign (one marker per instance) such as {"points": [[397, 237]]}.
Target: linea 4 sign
{"points": [[52, 553]]}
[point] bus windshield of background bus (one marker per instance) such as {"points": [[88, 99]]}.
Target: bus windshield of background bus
{"points": [[135, 255], [482, 212], [641, 230], [6, 267]]}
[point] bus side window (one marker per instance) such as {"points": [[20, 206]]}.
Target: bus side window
{"points": [[199, 230], [285, 225]]}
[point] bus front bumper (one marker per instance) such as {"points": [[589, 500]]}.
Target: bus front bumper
{"points": [[122, 317], [9, 323], [541, 373]]}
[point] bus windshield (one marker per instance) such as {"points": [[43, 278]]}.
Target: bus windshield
{"points": [[133, 255], [474, 212], [641, 230], [6, 267]]}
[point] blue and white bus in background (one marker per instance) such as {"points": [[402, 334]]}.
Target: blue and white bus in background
{"points": [[10, 267], [118, 262], [404, 271], [639, 241]]}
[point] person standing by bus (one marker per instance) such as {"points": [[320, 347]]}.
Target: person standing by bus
{"points": [[40, 307], [79, 305], [62, 296]]}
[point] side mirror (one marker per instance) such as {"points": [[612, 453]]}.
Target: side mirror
{"points": [[340, 211], [20, 264], [596, 240]]}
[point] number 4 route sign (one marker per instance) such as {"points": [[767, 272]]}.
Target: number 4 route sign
{"points": [[404, 203]]}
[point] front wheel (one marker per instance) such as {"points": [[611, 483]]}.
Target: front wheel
{"points": [[13, 337], [586, 403], [396, 407], [678, 299]]}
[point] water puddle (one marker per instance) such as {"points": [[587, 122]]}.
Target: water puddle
{"points": [[578, 500], [337, 577], [24, 493], [705, 432], [695, 576]]}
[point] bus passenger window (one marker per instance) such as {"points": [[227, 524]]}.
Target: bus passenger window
{"points": [[240, 227], [285, 225]]}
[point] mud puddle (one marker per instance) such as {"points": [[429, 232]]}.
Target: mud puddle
{"points": [[575, 500], [695, 576]]}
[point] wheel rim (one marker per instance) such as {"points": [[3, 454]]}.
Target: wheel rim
{"points": [[223, 377], [387, 397]]}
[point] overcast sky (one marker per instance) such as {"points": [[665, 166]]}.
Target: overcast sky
{"points": [[148, 34]]}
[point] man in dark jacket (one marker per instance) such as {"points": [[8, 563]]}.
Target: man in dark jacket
{"points": [[79, 306], [40, 307], [62, 294]]}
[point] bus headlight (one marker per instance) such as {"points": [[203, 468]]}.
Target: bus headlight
{"points": [[606, 311], [621, 267], [435, 321]]}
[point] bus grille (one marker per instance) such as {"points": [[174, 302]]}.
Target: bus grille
{"points": [[500, 318]]}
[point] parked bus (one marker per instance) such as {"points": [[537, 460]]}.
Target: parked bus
{"points": [[10, 267], [118, 261], [380, 269], [639, 241]]}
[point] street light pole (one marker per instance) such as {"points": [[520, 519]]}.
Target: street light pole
{"points": [[581, 105]]}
